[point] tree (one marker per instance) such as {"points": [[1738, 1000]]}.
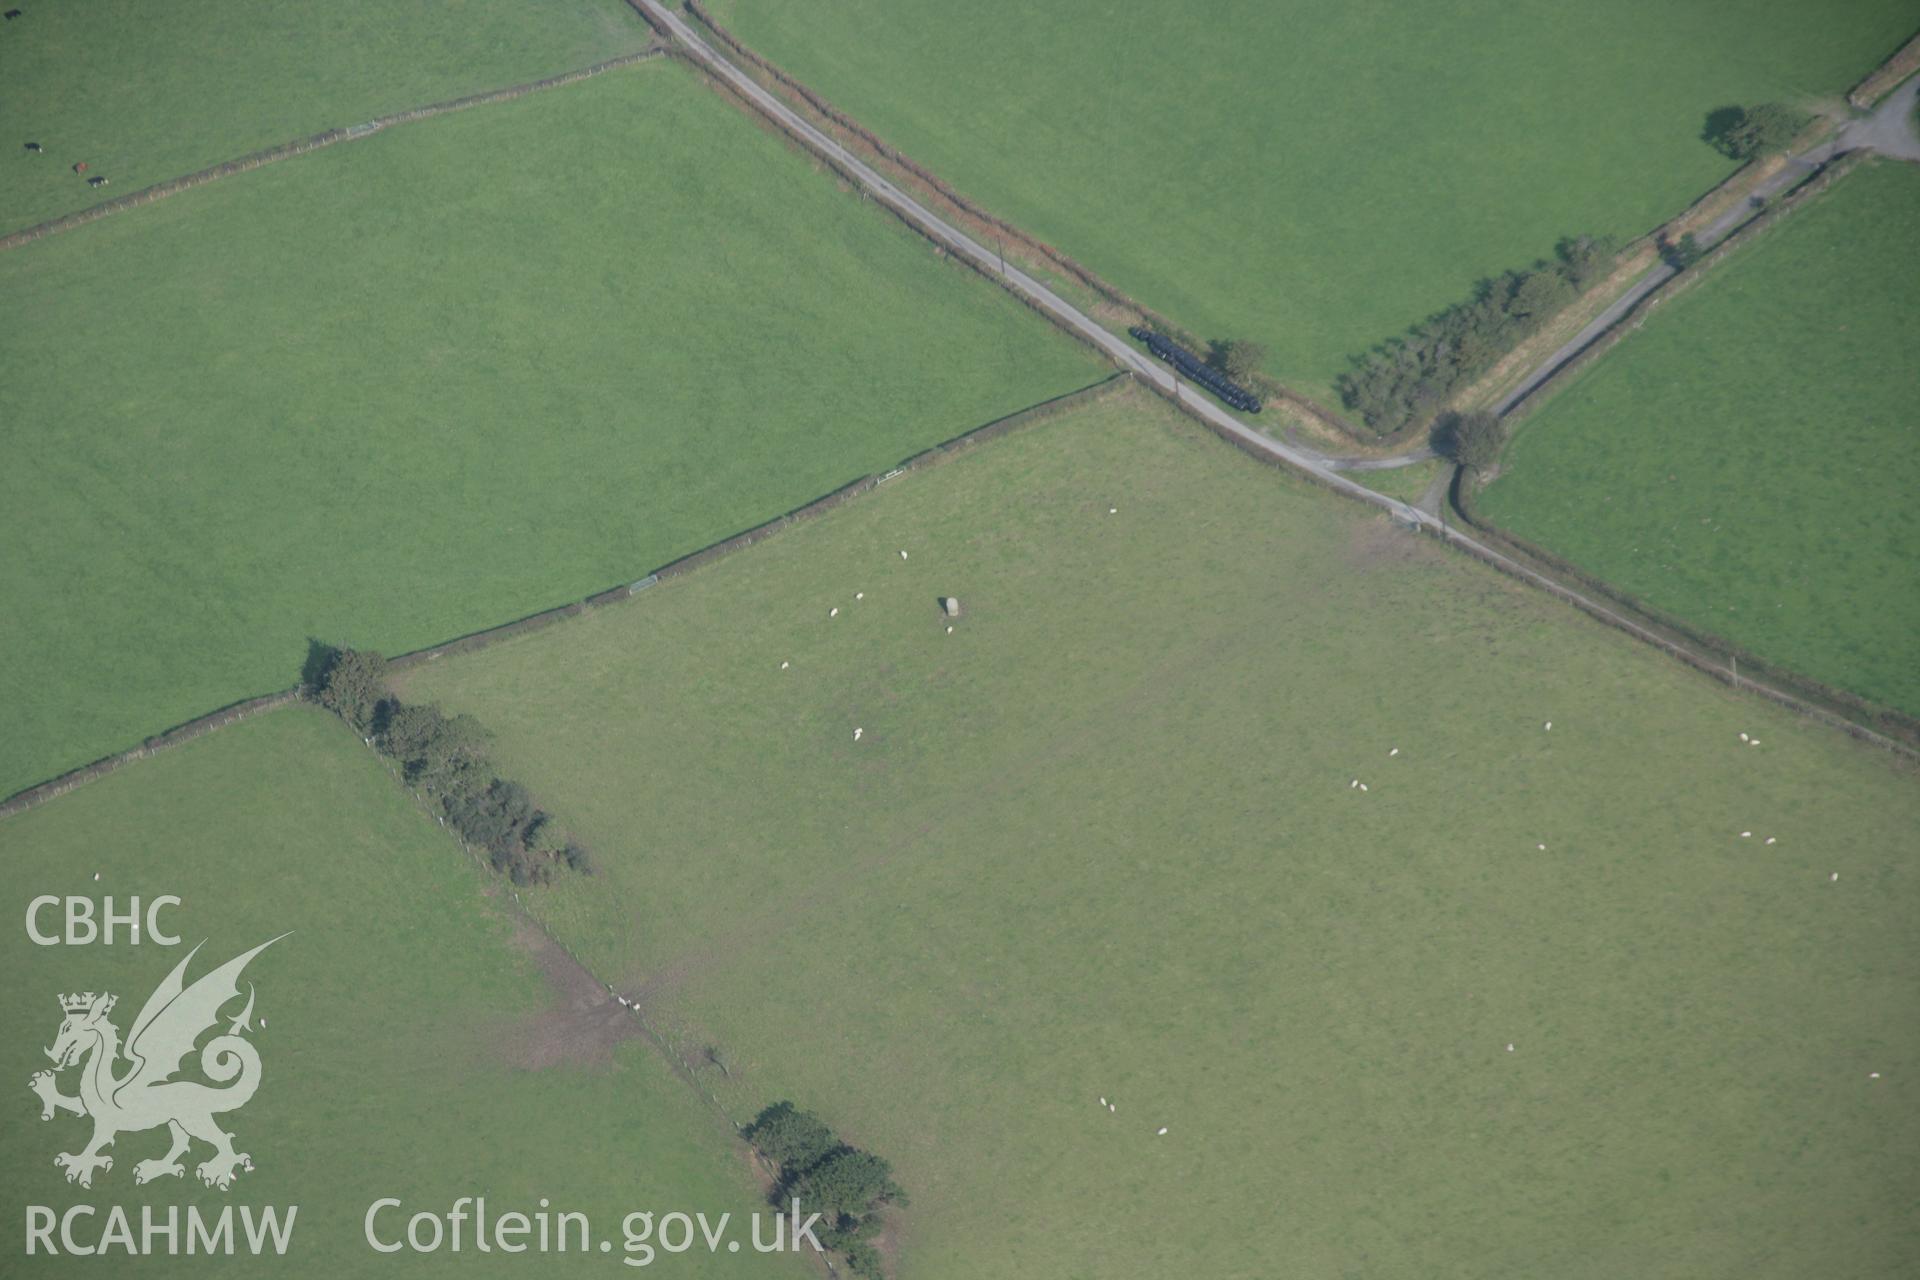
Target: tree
{"points": [[352, 683], [1745, 133], [1470, 439], [496, 817], [1538, 295], [793, 1139], [1682, 253], [1236, 357], [1584, 259], [848, 1184], [437, 754]]}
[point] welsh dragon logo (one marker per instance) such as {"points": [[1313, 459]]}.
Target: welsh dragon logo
{"points": [[144, 1095]]}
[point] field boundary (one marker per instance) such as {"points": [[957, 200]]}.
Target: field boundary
{"points": [[1679, 283], [301, 146], [945, 451], [1836, 705], [940, 189], [1065, 316], [1705, 650]]}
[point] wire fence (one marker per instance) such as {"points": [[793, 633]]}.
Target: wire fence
{"points": [[301, 146], [940, 453]]}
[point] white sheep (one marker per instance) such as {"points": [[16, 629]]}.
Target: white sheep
{"points": [[1549, 725], [1162, 1133], [834, 612], [785, 665], [903, 555], [857, 733]]}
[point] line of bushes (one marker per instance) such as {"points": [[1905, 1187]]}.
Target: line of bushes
{"points": [[444, 758], [846, 1186], [1408, 380]]}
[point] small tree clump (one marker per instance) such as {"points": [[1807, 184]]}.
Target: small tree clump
{"points": [[846, 1186], [793, 1139], [1747, 133], [1406, 380], [445, 758]]}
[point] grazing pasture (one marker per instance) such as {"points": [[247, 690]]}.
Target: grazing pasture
{"points": [[408, 387], [1747, 461], [1315, 175], [410, 1044], [1230, 804], [147, 92]]}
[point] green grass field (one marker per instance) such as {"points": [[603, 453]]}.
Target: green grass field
{"points": [[1747, 461], [1317, 175], [144, 92], [1102, 840], [395, 1020], [458, 372]]}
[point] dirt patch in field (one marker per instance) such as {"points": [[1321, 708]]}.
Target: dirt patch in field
{"points": [[581, 1023]]}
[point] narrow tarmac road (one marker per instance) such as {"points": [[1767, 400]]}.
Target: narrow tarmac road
{"points": [[1134, 361], [1137, 363], [1889, 130]]}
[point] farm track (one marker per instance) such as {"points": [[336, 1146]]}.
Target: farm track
{"points": [[1427, 516], [1313, 465], [301, 146], [1888, 131]]}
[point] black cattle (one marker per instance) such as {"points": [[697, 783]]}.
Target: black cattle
{"points": [[11, 14], [34, 147], [96, 182]]}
